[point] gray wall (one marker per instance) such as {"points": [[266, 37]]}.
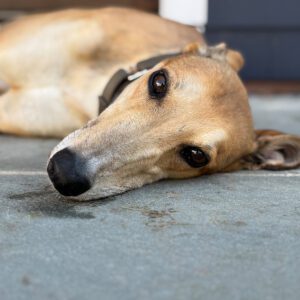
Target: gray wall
{"points": [[267, 32]]}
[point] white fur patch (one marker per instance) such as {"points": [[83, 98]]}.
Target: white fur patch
{"points": [[214, 137]]}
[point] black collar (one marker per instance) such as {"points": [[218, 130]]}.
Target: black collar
{"points": [[122, 78]]}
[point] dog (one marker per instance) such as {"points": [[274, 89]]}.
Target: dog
{"points": [[171, 106]]}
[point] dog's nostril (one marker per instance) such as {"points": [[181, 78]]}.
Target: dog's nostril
{"points": [[67, 173], [61, 162]]}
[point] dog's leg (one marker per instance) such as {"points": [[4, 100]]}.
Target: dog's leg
{"points": [[45, 111]]}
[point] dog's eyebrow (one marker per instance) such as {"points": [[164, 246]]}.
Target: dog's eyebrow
{"points": [[214, 137], [207, 148], [178, 84]]}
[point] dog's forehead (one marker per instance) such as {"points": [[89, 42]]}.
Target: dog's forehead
{"points": [[199, 69], [190, 63], [195, 74]]}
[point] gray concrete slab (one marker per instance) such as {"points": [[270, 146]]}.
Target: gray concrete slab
{"points": [[226, 236], [277, 112]]}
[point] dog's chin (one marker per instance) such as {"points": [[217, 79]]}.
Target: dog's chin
{"points": [[99, 193], [108, 186]]}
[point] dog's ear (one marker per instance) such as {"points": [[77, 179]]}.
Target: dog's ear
{"points": [[235, 59], [219, 52], [274, 150]]}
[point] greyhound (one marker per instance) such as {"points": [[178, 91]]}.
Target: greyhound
{"points": [[171, 106]]}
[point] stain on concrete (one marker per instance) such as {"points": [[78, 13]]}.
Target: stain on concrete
{"points": [[8, 227], [239, 223], [46, 202], [229, 223], [159, 219], [31, 194], [25, 280], [153, 214], [155, 219]]}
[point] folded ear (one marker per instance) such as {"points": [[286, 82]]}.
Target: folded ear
{"points": [[235, 59], [219, 52], [274, 151]]}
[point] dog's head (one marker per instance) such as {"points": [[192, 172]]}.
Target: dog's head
{"points": [[187, 116]]}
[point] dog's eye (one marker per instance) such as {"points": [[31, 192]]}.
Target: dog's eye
{"points": [[158, 84], [194, 156]]}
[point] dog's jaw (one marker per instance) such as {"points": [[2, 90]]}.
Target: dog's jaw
{"points": [[106, 186]]}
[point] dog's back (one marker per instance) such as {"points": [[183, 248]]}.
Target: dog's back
{"points": [[66, 58]]}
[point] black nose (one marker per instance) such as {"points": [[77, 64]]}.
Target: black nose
{"points": [[67, 173]]}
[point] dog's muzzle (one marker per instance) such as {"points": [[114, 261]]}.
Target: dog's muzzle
{"points": [[68, 173]]}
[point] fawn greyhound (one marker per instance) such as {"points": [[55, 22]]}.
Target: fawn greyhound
{"points": [[182, 112]]}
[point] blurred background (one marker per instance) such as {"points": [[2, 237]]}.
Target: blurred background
{"points": [[266, 32]]}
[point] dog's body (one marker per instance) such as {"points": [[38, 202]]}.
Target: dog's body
{"points": [[187, 116], [54, 66]]}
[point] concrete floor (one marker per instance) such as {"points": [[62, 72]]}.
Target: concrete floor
{"points": [[228, 236]]}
